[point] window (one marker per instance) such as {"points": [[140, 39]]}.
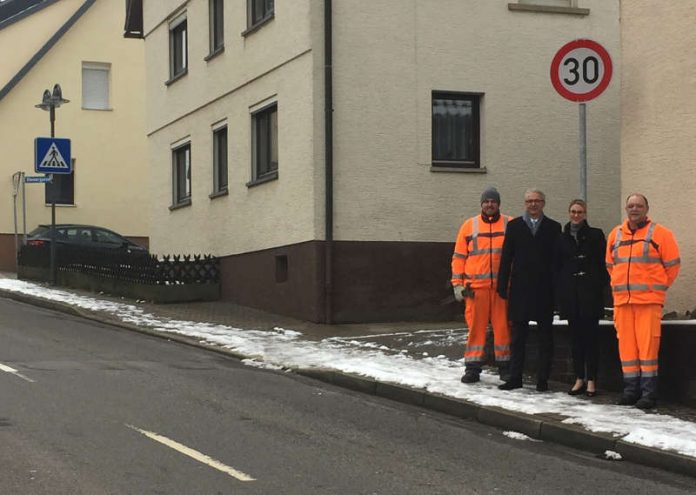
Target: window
{"points": [[220, 160], [181, 175], [549, 6], [217, 26], [61, 189], [551, 3], [178, 48], [265, 144], [456, 129], [95, 86], [259, 11]]}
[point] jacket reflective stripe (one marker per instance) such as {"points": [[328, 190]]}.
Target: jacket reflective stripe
{"points": [[481, 276], [488, 235], [485, 251], [671, 262], [630, 363], [474, 348], [648, 373], [650, 362], [459, 255], [634, 374], [645, 258], [648, 259], [626, 288], [502, 347]]}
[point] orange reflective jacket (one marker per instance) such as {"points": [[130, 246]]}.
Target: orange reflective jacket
{"points": [[477, 252], [642, 264]]}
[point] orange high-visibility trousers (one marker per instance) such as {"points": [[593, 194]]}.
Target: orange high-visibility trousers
{"points": [[486, 306], [638, 327]]}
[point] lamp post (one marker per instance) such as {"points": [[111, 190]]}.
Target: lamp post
{"points": [[50, 101]]}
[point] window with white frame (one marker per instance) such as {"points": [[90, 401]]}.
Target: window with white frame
{"points": [[217, 25], [178, 47], [264, 126], [95, 85], [220, 159], [181, 175]]}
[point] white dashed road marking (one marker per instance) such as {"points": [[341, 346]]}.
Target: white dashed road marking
{"points": [[16, 373], [194, 454]]}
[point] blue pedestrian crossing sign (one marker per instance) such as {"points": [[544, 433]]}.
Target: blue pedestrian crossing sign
{"points": [[52, 156]]}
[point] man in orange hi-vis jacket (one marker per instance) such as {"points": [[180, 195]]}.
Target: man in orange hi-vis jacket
{"points": [[474, 276], [643, 261]]}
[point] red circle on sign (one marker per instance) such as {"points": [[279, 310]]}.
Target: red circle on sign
{"points": [[560, 55]]}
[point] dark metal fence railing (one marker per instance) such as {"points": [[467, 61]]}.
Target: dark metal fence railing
{"points": [[143, 269]]}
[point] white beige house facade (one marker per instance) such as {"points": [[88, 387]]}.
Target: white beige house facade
{"points": [[77, 44], [328, 151], [658, 107]]}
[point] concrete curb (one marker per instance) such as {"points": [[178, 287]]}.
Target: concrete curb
{"points": [[540, 427]]}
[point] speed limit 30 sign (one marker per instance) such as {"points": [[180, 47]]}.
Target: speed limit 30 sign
{"points": [[581, 70]]}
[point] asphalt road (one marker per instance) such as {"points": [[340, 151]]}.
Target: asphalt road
{"points": [[91, 409]]}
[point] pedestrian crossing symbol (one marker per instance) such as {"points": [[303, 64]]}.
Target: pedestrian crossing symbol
{"points": [[52, 156]]}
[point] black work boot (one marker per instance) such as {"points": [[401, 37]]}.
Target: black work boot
{"points": [[631, 392], [470, 377], [648, 387]]}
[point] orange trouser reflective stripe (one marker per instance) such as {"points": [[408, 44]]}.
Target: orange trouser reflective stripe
{"points": [[486, 306], [638, 327]]}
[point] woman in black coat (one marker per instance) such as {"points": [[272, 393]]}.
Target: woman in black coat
{"points": [[580, 280]]}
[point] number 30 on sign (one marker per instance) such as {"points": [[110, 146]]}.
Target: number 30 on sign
{"points": [[581, 70]]}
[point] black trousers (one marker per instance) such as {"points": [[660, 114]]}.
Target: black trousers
{"points": [[585, 346], [520, 330]]}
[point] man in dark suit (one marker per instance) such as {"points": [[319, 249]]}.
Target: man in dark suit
{"points": [[525, 278]]}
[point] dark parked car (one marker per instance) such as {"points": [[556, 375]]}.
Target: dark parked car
{"points": [[85, 237]]}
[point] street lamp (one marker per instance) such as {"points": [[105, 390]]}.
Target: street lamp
{"points": [[50, 101]]}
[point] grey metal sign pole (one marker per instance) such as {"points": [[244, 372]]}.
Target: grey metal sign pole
{"points": [[51, 101], [582, 141]]}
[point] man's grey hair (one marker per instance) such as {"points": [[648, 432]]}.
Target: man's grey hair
{"points": [[534, 190]]}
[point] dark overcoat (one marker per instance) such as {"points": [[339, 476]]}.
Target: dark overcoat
{"points": [[526, 269], [581, 276]]}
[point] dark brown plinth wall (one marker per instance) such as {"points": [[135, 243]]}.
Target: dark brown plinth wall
{"points": [[372, 281]]}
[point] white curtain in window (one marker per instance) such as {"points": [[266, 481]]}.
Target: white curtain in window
{"points": [[95, 88]]}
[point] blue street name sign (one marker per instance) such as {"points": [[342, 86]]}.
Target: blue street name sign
{"points": [[34, 179], [52, 156]]}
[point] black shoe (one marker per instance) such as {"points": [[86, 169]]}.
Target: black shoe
{"points": [[470, 377], [542, 386], [646, 403], [627, 400], [511, 385], [579, 391]]}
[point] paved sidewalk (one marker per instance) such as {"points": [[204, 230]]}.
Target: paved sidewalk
{"points": [[425, 347]]}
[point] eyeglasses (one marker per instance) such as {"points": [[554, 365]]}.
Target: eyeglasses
{"points": [[533, 201]]}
